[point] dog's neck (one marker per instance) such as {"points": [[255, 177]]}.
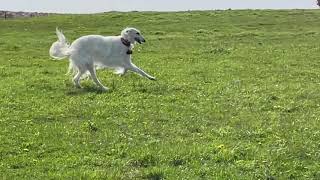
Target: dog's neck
{"points": [[125, 42]]}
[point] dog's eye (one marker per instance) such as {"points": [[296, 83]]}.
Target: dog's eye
{"points": [[138, 33]]}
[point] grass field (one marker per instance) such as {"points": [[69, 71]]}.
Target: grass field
{"points": [[237, 97]]}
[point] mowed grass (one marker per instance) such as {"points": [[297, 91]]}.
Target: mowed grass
{"points": [[237, 97]]}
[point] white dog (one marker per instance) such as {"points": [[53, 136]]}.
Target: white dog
{"points": [[94, 51]]}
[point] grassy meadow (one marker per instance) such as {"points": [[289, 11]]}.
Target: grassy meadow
{"points": [[237, 96]]}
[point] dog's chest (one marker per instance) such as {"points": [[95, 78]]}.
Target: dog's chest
{"points": [[127, 50], [114, 51]]}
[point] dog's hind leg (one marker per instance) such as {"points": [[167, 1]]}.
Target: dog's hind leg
{"points": [[94, 77], [77, 77], [134, 68]]}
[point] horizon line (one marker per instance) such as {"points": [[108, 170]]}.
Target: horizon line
{"points": [[125, 11]]}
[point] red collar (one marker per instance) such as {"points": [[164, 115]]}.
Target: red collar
{"points": [[125, 42]]}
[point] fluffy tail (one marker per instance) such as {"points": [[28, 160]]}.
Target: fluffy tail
{"points": [[60, 49]]}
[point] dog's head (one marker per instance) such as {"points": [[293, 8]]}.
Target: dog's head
{"points": [[133, 35]]}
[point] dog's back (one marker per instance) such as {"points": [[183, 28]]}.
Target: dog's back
{"points": [[98, 49]]}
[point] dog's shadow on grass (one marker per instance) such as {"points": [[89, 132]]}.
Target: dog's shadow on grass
{"points": [[86, 90], [146, 88]]}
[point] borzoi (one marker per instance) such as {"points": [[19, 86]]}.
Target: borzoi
{"points": [[88, 53]]}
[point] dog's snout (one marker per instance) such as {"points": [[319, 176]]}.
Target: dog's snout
{"points": [[143, 40]]}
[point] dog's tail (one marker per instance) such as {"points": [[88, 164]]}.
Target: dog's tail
{"points": [[60, 49]]}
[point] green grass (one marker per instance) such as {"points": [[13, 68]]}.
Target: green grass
{"points": [[237, 97]]}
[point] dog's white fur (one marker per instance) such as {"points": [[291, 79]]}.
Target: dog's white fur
{"points": [[88, 53]]}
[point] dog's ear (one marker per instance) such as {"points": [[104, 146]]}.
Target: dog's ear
{"points": [[127, 29], [124, 32]]}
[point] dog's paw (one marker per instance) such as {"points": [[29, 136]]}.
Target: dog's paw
{"points": [[152, 78], [103, 88]]}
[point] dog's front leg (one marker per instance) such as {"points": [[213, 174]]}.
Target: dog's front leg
{"points": [[134, 68]]}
